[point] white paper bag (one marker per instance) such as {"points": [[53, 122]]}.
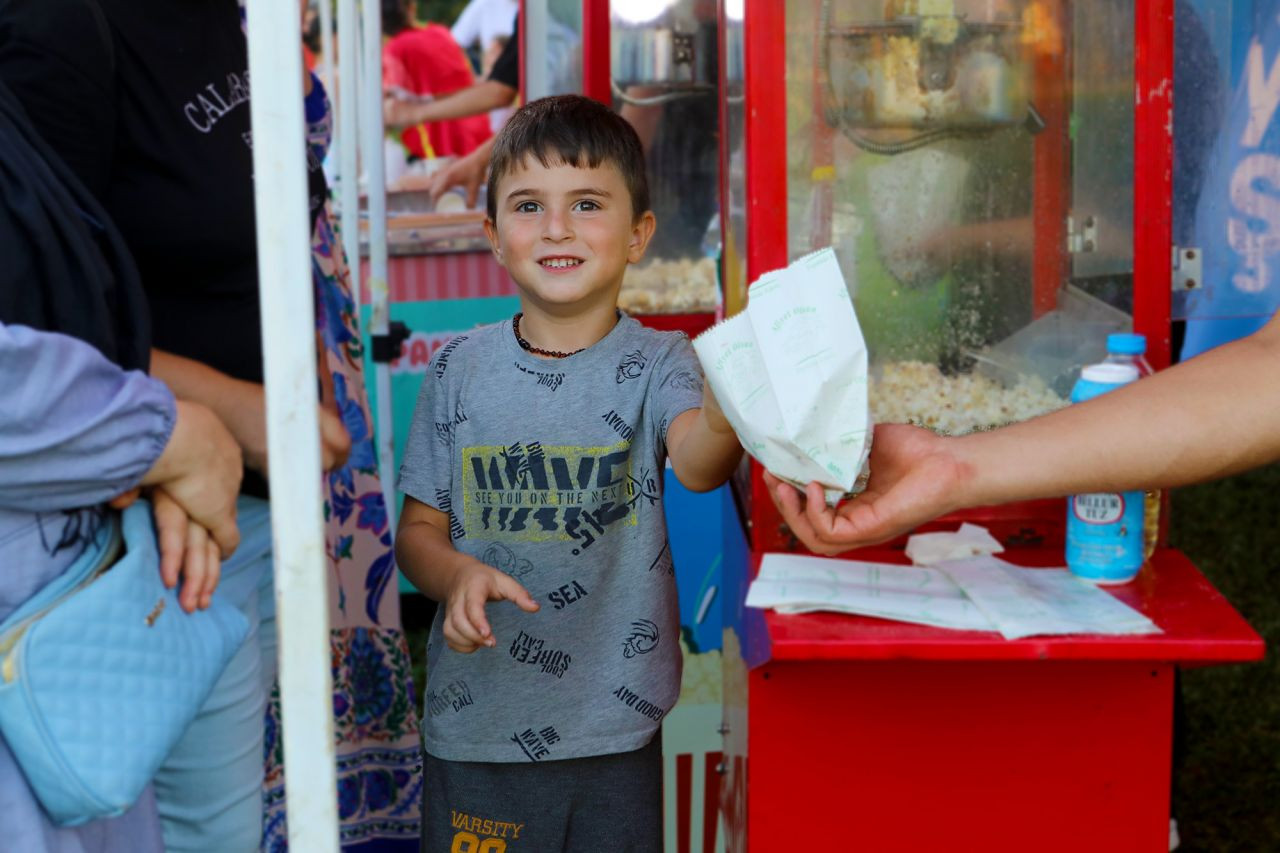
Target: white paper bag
{"points": [[790, 373]]}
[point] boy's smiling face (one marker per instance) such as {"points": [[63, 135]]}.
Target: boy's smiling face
{"points": [[566, 233]]}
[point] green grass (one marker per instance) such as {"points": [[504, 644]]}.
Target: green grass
{"points": [[1226, 790]]}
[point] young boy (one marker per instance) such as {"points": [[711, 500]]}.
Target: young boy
{"points": [[533, 478]]}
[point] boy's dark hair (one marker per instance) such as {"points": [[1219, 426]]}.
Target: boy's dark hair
{"points": [[570, 129]]}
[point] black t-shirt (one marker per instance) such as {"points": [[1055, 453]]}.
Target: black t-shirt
{"points": [[506, 68], [65, 266], [148, 102]]}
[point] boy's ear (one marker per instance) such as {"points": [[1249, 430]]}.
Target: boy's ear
{"points": [[641, 233], [491, 231]]}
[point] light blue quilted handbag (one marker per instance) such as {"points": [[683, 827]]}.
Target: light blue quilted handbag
{"points": [[101, 672]]}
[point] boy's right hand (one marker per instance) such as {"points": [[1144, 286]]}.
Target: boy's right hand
{"points": [[465, 626]]}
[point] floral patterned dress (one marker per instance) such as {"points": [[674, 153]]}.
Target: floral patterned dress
{"points": [[375, 722]]}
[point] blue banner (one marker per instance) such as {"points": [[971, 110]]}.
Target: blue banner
{"points": [[1227, 165]]}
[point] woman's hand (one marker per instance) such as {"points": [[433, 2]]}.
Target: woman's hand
{"points": [[187, 551], [467, 172], [200, 470], [248, 423], [914, 478]]}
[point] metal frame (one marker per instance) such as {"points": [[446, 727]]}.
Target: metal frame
{"points": [[1153, 182], [597, 59], [1034, 522]]}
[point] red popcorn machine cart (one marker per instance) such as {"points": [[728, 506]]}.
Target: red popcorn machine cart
{"points": [[995, 179]]}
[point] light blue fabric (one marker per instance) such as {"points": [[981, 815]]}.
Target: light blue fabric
{"points": [[210, 789], [104, 678], [74, 430]]}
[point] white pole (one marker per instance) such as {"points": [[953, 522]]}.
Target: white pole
{"points": [[348, 133], [293, 435], [376, 187], [534, 49]]}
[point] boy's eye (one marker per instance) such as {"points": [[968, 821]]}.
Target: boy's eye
{"points": [[587, 205], [527, 207]]}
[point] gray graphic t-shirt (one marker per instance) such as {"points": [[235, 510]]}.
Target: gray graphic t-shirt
{"points": [[551, 471]]}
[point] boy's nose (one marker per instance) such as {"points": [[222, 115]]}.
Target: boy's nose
{"points": [[556, 226]]}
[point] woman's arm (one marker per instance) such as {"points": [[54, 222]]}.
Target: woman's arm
{"points": [[473, 100], [1211, 416], [79, 431], [467, 172], [242, 407]]}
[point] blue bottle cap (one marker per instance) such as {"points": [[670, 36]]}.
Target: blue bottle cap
{"points": [[1124, 343]]}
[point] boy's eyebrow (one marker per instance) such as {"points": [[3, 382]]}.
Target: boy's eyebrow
{"points": [[529, 192]]}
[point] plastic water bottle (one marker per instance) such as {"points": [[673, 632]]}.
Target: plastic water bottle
{"points": [[1132, 349], [1104, 530]]}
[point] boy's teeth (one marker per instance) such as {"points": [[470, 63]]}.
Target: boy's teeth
{"points": [[560, 263]]}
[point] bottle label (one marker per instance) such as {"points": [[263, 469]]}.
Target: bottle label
{"points": [[1104, 535], [1102, 508]]}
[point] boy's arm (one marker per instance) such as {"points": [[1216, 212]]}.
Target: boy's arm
{"points": [[702, 446], [424, 551], [461, 583]]}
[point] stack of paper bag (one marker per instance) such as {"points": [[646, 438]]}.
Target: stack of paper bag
{"points": [[978, 594], [790, 373]]}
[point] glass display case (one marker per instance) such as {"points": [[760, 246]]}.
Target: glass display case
{"points": [[972, 164], [552, 34], [995, 177], [662, 75]]}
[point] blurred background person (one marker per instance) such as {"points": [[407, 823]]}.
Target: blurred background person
{"points": [[421, 64], [486, 26]]}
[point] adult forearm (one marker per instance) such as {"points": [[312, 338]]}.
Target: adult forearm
{"points": [[192, 380], [1209, 417], [473, 100], [239, 404]]}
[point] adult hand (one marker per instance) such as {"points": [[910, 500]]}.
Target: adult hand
{"points": [[186, 549], [248, 423], [467, 172], [335, 443], [914, 478], [465, 626], [399, 113], [200, 470]]}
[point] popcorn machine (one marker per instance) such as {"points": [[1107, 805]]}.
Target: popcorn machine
{"points": [[995, 179], [972, 163]]}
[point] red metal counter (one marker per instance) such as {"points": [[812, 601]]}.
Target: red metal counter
{"points": [[865, 734]]}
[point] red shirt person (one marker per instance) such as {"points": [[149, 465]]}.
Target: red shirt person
{"points": [[426, 61]]}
